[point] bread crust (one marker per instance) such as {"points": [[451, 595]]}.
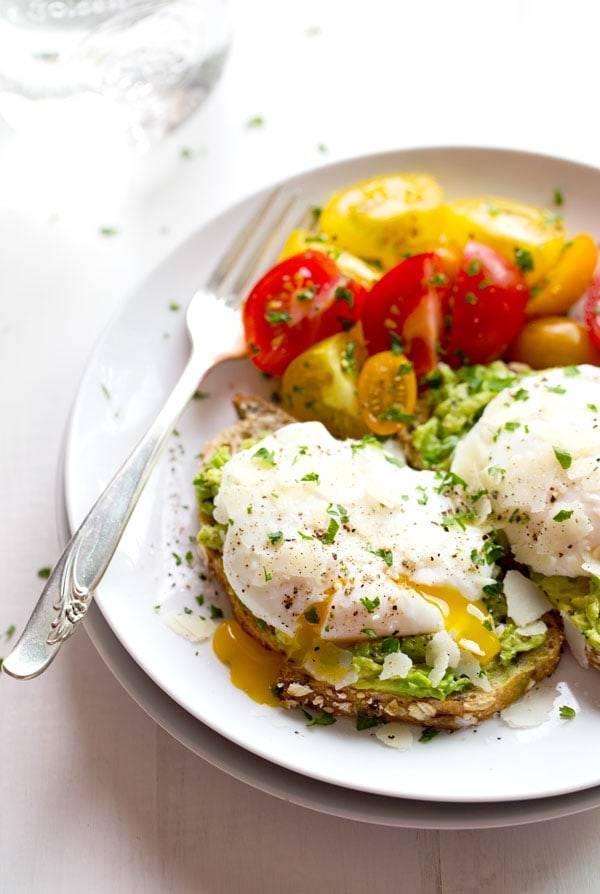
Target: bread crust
{"points": [[296, 688]]}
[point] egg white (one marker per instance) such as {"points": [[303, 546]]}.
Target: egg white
{"points": [[393, 540], [512, 453]]}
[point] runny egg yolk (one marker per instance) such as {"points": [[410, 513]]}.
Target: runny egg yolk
{"points": [[252, 668], [459, 622]]}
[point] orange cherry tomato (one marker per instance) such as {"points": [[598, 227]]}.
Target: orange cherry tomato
{"points": [[553, 341], [387, 392], [567, 280]]}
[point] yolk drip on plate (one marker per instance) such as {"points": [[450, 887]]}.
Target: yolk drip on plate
{"points": [[252, 668], [460, 623]]}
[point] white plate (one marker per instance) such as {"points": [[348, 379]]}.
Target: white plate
{"points": [[137, 361]]}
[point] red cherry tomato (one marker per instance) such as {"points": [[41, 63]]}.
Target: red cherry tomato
{"points": [[487, 306], [591, 310], [346, 309], [283, 312], [407, 305]]}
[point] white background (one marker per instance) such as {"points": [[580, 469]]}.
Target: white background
{"points": [[93, 795]]}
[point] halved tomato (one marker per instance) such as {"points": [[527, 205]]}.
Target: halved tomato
{"points": [[406, 308], [387, 392], [487, 306], [591, 310], [284, 310]]}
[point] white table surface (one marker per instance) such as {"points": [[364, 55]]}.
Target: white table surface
{"points": [[93, 795]]}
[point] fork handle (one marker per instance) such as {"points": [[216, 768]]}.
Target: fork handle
{"points": [[70, 588]]}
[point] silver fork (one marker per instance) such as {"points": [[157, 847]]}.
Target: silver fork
{"points": [[214, 325]]}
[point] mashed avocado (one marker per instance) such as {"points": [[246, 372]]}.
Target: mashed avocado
{"points": [[368, 659], [579, 598], [207, 484], [511, 642], [454, 400]]}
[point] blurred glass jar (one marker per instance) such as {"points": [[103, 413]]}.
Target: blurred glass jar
{"points": [[156, 60]]}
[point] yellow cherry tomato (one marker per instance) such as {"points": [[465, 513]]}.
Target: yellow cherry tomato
{"points": [[530, 237], [303, 240], [384, 217], [553, 341], [387, 392], [567, 280], [321, 384]]}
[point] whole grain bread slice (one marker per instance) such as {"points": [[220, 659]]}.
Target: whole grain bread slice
{"points": [[296, 687]]}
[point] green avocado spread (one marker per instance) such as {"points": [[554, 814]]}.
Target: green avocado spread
{"points": [[577, 597], [454, 401]]}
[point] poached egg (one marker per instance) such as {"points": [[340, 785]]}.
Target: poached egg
{"points": [[344, 539], [536, 451]]}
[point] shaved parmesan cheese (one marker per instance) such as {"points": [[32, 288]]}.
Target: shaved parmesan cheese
{"points": [[525, 601], [191, 627], [441, 653], [531, 710], [396, 735], [297, 690], [469, 667], [576, 641], [471, 646], [476, 612], [395, 665], [533, 629]]}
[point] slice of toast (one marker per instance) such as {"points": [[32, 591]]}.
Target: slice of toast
{"points": [[296, 687]]}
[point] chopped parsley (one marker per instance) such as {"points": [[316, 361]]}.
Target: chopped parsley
{"points": [[187, 610], [385, 554], [177, 558], [304, 536], [344, 294], [368, 631], [563, 515], [395, 461], [422, 501], [593, 407], [44, 573], [332, 529], [277, 317], [512, 426], [556, 389], [312, 615], [266, 457], [521, 394], [174, 306], [200, 599], [524, 260], [370, 604], [348, 359], [311, 476], [428, 734], [215, 612], [449, 481], [267, 574], [395, 413], [11, 629], [340, 510], [189, 558], [366, 441], [474, 267], [306, 294], [566, 712], [255, 121], [471, 298], [275, 537], [458, 518], [108, 231], [571, 371], [558, 198], [563, 457], [363, 721], [321, 719]]}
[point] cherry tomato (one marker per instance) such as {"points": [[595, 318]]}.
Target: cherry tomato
{"points": [[406, 306], [554, 341], [567, 280], [345, 310], [387, 392], [282, 313], [487, 306], [591, 310]]}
